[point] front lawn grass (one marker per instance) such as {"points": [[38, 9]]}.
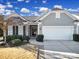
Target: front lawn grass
{"points": [[16, 53]]}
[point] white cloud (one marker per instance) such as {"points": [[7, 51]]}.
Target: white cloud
{"points": [[5, 11], [20, 0], [16, 7], [35, 14], [58, 6], [8, 12], [37, 7], [8, 3], [10, 6], [72, 10], [44, 1], [27, 1], [2, 11], [44, 9], [25, 10], [67, 9], [2, 6]]}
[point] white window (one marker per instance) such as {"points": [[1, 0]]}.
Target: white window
{"points": [[10, 30], [57, 14]]}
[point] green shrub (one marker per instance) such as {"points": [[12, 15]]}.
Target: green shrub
{"points": [[26, 38], [16, 42], [76, 37], [16, 39], [19, 37], [13, 37], [40, 38], [9, 38]]}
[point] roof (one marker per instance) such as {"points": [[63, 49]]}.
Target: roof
{"points": [[76, 16], [76, 13], [16, 15], [31, 18], [54, 11], [24, 18], [37, 18]]}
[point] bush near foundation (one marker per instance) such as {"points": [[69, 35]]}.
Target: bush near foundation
{"points": [[14, 40], [76, 37], [26, 38], [40, 38]]}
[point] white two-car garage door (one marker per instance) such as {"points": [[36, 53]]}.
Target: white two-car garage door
{"points": [[58, 32]]}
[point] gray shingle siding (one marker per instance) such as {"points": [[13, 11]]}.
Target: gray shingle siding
{"points": [[51, 20]]}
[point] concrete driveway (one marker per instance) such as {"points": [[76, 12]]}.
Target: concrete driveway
{"points": [[58, 45], [59, 49], [63, 46]]}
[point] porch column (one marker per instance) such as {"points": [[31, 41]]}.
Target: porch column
{"points": [[20, 29], [27, 30], [4, 31], [39, 28], [4, 34]]}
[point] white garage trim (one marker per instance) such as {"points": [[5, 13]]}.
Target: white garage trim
{"points": [[58, 32]]}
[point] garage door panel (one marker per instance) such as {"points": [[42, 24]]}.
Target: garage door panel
{"points": [[58, 32]]}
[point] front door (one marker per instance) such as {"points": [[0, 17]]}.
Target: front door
{"points": [[33, 30]]}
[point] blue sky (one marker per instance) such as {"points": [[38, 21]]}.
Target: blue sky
{"points": [[35, 7]]}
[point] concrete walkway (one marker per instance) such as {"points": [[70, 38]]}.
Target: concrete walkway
{"points": [[59, 49]]}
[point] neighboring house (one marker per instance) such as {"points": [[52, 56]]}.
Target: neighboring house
{"points": [[57, 24]]}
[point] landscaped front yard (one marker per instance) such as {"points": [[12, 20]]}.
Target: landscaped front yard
{"points": [[18, 47], [16, 53]]}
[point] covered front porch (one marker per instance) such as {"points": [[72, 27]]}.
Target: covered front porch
{"points": [[30, 30]]}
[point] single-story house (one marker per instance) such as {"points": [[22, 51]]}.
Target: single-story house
{"points": [[57, 24]]}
